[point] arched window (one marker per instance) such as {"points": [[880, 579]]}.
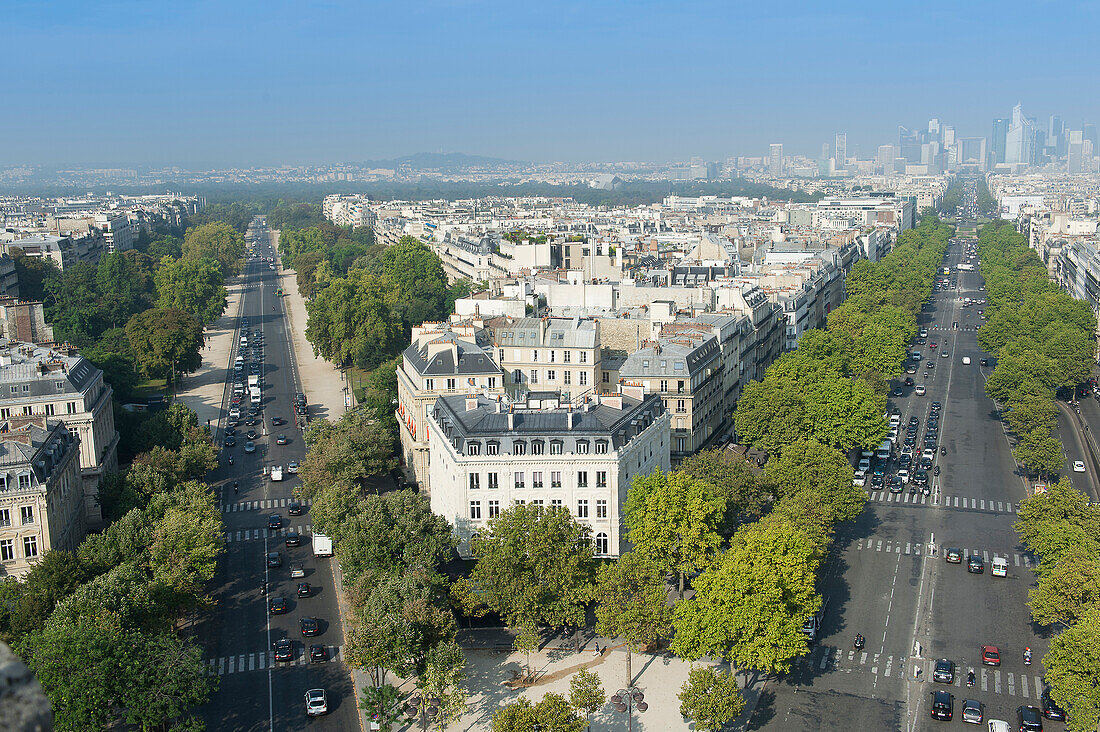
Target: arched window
{"points": [[601, 543]]}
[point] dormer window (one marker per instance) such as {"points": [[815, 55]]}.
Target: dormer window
{"points": [[473, 448], [555, 447], [519, 447], [601, 447], [537, 447]]}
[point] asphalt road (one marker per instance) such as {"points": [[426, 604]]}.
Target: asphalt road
{"points": [[887, 577], [255, 692]]}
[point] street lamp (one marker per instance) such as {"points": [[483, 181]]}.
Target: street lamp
{"points": [[626, 699], [423, 710]]}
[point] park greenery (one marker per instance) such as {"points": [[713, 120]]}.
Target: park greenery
{"points": [[100, 626], [1043, 340]]}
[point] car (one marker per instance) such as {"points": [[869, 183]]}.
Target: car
{"points": [[895, 484], [251, 434], [1050, 709], [294, 508], [945, 354], [897, 392], [903, 475], [293, 538], [983, 361], [280, 440], [936, 406], [231, 441], [926, 463], [277, 421], [975, 564], [953, 555], [274, 559], [930, 365], [859, 478], [252, 421], [944, 671], [932, 345], [292, 466], [297, 571], [250, 447], [991, 655], [299, 398], [909, 381], [1078, 466], [284, 650], [316, 703], [920, 476], [910, 441], [943, 705], [277, 606], [317, 653], [973, 711], [304, 589], [1029, 719], [928, 453], [910, 369], [309, 626], [274, 522]]}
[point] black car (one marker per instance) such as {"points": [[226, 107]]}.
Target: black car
{"points": [[975, 564], [230, 432], [943, 705], [284, 650], [274, 559], [293, 538], [920, 476], [294, 508], [1050, 709], [317, 653], [231, 441], [984, 361], [277, 421], [304, 589], [878, 481], [944, 672], [898, 392], [277, 606], [1029, 719], [309, 626], [251, 434], [299, 398], [274, 522], [896, 485], [909, 381], [252, 421], [905, 460], [953, 555], [914, 421]]}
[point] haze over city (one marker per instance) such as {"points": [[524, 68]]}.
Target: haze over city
{"points": [[262, 83]]}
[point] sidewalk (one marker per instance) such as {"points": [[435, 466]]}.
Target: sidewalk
{"points": [[204, 390]]}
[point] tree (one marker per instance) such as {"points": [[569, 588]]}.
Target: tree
{"points": [[519, 716], [1057, 520], [814, 484], [351, 320], [552, 714], [165, 341], [534, 564], [77, 313], [710, 698], [744, 493], [1040, 453], [442, 680], [193, 286], [347, 452], [750, 606], [123, 289], [218, 241], [35, 274], [632, 604], [674, 519], [1073, 670], [419, 281], [1067, 588], [586, 693], [382, 703], [1032, 413]]}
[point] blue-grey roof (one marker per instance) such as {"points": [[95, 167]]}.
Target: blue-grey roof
{"points": [[671, 357], [472, 359]]}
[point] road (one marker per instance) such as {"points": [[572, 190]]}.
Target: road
{"points": [[255, 693], [887, 577]]}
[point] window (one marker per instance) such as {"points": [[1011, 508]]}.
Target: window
{"points": [[567, 377], [494, 509], [5, 413], [59, 385], [601, 543], [551, 375], [537, 502], [680, 387], [492, 382], [582, 479], [30, 547], [601, 508], [552, 355], [475, 509], [536, 479], [679, 444], [519, 481], [582, 508], [601, 478], [27, 411], [48, 407], [450, 384], [601, 447], [537, 447], [473, 448], [555, 502], [534, 355], [493, 484], [555, 447], [27, 514], [582, 447], [5, 517], [501, 352], [26, 388], [534, 376], [664, 385], [520, 502], [606, 377], [584, 356], [429, 384], [566, 356], [492, 448], [475, 481], [519, 447], [7, 550], [517, 376], [555, 479], [583, 380], [681, 405]]}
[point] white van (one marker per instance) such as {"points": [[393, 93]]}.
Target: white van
{"points": [[966, 360], [999, 725], [999, 566], [244, 341]]}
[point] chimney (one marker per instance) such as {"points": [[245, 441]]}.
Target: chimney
{"points": [[569, 417], [511, 418], [471, 403]]}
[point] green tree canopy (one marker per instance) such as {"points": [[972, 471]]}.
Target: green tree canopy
{"points": [[193, 286], [218, 241], [165, 342], [710, 698], [1073, 672]]}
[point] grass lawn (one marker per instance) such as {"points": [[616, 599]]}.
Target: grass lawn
{"points": [[151, 387], [358, 379]]}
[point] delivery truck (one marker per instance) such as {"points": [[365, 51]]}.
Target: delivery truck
{"points": [[322, 546]]}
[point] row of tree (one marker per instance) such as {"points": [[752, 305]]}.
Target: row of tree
{"points": [[1043, 340], [99, 626], [1062, 528]]}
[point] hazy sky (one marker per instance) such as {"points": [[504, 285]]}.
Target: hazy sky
{"points": [[243, 82]]}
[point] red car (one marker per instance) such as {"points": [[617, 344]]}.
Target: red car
{"points": [[991, 656], [932, 344]]}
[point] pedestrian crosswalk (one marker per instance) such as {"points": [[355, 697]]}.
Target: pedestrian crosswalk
{"points": [[1022, 559], [914, 548], [903, 497], [257, 534], [890, 546], [963, 503], [259, 661], [265, 505]]}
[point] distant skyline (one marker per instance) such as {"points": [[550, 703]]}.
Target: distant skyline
{"points": [[241, 83]]}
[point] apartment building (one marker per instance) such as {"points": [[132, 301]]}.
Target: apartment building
{"points": [[24, 321], [439, 361], [547, 354], [60, 383], [41, 492], [685, 369], [348, 210], [9, 279], [488, 454], [65, 251], [118, 233]]}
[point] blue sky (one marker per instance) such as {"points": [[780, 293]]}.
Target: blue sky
{"points": [[243, 82]]}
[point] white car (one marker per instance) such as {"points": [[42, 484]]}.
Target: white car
{"points": [[316, 703], [920, 390], [1078, 466], [859, 479], [928, 453], [904, 475]]}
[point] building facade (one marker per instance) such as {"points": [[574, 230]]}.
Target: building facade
{"points": [[489, 454], [41, 493], [548, 354]]}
